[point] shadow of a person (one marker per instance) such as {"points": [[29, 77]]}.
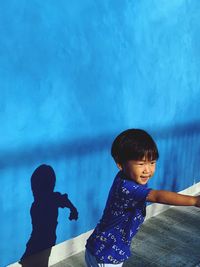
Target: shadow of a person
{"points": [[44, 214]]}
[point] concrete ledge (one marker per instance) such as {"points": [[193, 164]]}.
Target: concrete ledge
{"points": [[74, 246]]}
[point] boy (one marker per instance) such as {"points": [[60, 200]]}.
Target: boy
{"points": [[135, 154]]}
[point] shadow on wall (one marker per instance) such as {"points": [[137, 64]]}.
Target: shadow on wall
{"points": [[180, 151], [44, 215], [49, 151], [85, 146]]}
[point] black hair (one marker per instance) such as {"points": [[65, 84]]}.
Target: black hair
{"points": [[134, 144]]}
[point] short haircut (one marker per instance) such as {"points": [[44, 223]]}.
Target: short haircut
{"points": [[134, 144]]}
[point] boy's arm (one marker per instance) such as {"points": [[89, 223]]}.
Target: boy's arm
{"points": [[171, 198]]}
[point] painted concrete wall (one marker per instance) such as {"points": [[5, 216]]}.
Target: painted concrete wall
{"points": [[73, 74]]}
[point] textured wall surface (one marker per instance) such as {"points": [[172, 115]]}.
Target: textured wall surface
{"points": [[73, 74]]}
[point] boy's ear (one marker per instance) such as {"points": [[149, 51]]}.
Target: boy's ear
{"points": [[119, 165]]}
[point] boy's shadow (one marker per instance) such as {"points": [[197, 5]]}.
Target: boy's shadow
{"points": [[44, 215]]}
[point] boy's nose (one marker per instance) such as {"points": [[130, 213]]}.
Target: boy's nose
{"points": [[147, 168]]}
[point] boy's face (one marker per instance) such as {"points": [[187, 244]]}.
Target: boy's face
{"points": [[139, 171]]}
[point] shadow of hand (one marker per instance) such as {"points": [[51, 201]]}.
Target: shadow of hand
{"points": [[73, 214]]}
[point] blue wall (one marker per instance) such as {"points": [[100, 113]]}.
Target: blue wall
{"points": [[73, 74]]}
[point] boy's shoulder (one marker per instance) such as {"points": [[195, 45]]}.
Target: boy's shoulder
{"points": [[129, 188], [122, 181]]}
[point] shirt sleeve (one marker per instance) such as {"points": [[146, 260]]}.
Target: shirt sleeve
{"points": [[133, 193]]}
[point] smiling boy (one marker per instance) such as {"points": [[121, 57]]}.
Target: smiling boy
{"points": [[135, 154]]}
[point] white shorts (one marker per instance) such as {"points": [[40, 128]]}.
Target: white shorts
{"points": [[92, 262]]}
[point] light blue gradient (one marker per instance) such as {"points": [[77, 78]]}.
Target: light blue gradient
{"points": [[73, 74]]}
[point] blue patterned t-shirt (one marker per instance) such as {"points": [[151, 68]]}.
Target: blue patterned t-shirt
{"points": [[124, 213]]}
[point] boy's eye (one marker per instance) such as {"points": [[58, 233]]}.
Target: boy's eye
{"points": [[143, 163]]}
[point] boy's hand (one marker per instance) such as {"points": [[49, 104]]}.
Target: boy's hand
{"points": [[197, 201], [73, 214]]}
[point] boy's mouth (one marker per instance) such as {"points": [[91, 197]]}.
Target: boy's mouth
{"points": [[145, 178]]}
